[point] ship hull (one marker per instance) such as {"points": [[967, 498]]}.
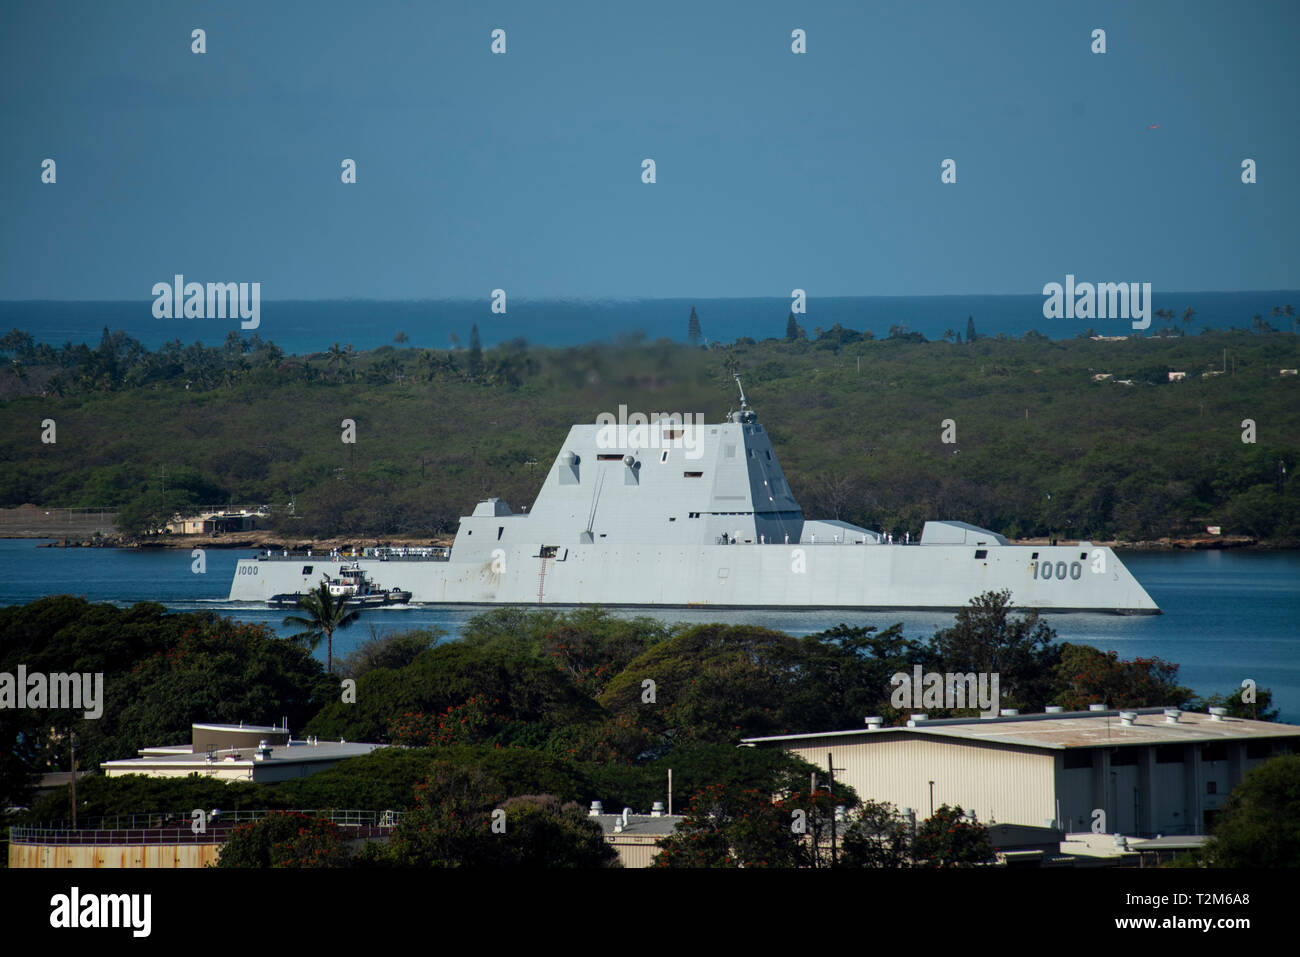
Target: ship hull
{"points": [[1078, 578]]}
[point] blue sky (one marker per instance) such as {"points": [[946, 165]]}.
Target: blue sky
{"points": [[523, 171]]}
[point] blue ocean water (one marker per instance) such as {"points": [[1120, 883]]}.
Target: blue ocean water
{"points": [[1227, 615], [304, 326]]}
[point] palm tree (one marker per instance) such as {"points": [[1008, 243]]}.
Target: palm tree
{"points": [[335, 358], [324, 615], [429, 360]]}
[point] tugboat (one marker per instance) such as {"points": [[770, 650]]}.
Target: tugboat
{"points": [[352, 585]]}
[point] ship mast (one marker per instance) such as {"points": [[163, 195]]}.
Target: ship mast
{"points": [[746, 414]]}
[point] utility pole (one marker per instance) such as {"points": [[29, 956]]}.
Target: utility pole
{"points": [[812, 817], [835, 824], [73, 737]]}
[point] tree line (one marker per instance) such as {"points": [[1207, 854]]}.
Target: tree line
{"points": [[1039, 448], [540, 712]]}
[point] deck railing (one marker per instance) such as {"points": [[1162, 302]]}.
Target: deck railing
{"points": [[421, 553], [177, 828]]}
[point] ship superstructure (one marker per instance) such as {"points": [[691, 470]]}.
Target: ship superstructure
{"points": [[679, 513]]}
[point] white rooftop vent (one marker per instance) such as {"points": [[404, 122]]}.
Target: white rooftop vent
{"points": [[1009, 713], [1096, 707], [1126, 718], [1054, 709], [917, 719], [596, 809], [874, 722], [1171, 715], [658, 809], [1216, 714]]}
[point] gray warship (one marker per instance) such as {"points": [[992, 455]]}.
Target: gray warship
{"points": [[660, 511]]}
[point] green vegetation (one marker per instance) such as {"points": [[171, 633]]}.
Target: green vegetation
{"points": [[877, 836], [462, 818], [1041, 449], [285, 839], [948, 839], [389, 651], [738, 827], [100, 797], [162, 672], [321, 615], [1260, 824], [730, 827], [536, 711]]}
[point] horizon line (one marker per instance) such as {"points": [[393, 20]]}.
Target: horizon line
{"points": [[632, 299]]}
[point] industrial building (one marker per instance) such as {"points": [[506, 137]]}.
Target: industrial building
{"points": [[216, 522], [635, 837], [230, 752], [1148, 771]]}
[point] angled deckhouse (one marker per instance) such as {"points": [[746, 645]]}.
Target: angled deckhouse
{"points": [[681, 513]]}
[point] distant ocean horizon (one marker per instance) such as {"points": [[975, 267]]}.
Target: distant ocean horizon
{"points": [[306, 326]]}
